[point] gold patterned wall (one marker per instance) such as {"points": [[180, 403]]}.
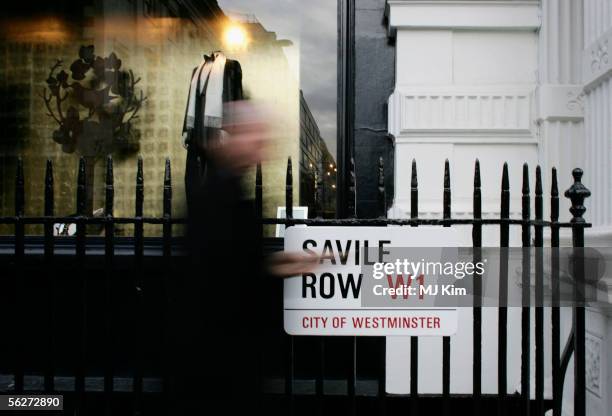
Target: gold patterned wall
{"points": [[162, 51]]}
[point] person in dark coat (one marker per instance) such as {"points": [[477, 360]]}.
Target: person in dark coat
{"points": [[220, 302]]}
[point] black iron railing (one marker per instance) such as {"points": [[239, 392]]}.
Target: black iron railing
{"points": [[19, 251]]}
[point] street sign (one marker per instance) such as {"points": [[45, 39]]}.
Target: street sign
{"points": [[330, 301]]}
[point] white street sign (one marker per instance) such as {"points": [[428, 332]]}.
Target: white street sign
{"points": [[329, 301]]}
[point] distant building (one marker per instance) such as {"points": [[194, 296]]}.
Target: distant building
{"points": [[317, 167]]}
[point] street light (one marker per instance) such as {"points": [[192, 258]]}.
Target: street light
{"points": [[235, 37]]}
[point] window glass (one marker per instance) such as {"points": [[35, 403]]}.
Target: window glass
{"points": [[89, 79]]}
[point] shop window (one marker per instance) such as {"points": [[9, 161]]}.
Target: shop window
{"points": [[83, 81]]}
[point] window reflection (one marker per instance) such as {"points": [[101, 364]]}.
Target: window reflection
{"points": [[286, 50]]}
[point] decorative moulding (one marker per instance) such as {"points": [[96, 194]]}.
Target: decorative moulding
{"points": [[452, 111], [593, 345], [474, 15], [560, 102], [597, 61]]}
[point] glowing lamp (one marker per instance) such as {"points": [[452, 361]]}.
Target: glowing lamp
{"points": [[235, 37]]}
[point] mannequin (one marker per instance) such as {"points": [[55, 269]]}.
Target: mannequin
{"points": [[201, 123]]}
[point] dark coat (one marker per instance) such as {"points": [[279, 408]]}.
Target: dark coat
{"points": [[218, 309], [199, 135]]}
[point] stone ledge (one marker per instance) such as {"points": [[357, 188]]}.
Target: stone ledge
{"points": [[473, 15]]}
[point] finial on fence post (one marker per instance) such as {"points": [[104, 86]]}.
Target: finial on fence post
{"points": [[577, 193]]}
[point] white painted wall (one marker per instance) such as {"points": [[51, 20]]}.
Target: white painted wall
{"points": [[596, 96], [463, 94], [466, 76], [515, 81]]}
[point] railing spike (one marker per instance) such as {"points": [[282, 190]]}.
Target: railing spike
{"points": [[414, 192], [167, 188], [554, 197], [525, 179], [49, 194], [289, 190], [538, 189], [505, 178], [446, 173], [554, 188], [109, 187], [258, 192], [447, 191], [19, 188], [382, 195], [168, 171], [139, 187], [82, 187], [140, 170], [477, 197]]}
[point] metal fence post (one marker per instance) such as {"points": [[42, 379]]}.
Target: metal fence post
{"points": [[50, 280], [477, 326], [414, 340], [555, 314], [290, 357], [577, 193], [446, 344], [139, 287], [109, 254], [525, 296], [19, 257], [502, 328], [81, 232], [539, 294]]}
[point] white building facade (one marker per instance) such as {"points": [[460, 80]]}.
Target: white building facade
{"points": [[504, 81]]}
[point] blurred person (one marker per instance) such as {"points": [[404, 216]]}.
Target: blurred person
{"points": [[219, 305]]}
